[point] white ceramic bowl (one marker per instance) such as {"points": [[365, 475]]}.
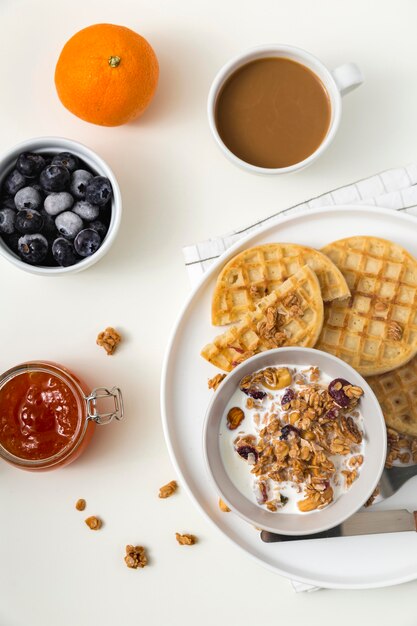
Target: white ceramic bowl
{"points": [[55, 145], [348, 503]]}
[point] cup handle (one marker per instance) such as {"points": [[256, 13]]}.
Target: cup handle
{"points": [[347, 77]]}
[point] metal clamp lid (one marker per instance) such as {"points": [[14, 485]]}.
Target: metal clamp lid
{"points": [[99, 393]]}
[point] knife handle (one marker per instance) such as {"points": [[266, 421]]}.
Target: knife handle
{"points": [[269, 537], [415, 519]]}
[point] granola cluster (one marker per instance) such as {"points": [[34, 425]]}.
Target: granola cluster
{"points": [[400, 448], [300, 435]]}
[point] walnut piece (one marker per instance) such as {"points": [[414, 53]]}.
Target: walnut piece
{"points": [[93, 522], [80, 504], [109, 339], [395, 331], [214, 382], [235, 417], [135, 557], [167, 490], [223, 506], [186, 539]]}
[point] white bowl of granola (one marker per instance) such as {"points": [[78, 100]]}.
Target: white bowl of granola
{"points": [[294, 441]]}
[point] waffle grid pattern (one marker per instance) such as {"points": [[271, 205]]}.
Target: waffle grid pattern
{"points": [[397, 395], [255, 272], [226, 349], [382, 278]]}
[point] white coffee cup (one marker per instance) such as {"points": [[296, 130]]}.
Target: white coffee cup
{"points": [[337, 82]]}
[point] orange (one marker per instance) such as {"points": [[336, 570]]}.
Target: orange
{"points": [[106, 74]]}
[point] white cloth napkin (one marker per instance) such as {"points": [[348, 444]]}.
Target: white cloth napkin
{"points": [[393, 189]]}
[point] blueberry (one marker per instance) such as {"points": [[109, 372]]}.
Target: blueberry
{"points": [[69, 224], [79, 182], [29, 221], [58, 202], [54, 178], [86, 210], [30, 164], [14, 181], [63, 252], [66, 159], [98, 191], [99, 227], [7, 221], [33, 248], [28, 198], [87, 242]]}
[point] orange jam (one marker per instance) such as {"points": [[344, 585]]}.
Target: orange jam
{"points": [[39, 415]]}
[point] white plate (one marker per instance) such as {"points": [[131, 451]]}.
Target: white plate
{"points": [[346, 562]]}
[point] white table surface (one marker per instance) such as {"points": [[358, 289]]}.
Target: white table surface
{"points": [[177, 188]]}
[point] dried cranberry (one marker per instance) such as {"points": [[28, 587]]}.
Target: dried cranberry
{"points": [[245, 451], [332, 414], [288, 396], [339, 395], [256, 394], [287, 429]]}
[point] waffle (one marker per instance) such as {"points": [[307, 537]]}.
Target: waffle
{"points": [[255, 272], [397, 394], [291, 315], [375, 330]]}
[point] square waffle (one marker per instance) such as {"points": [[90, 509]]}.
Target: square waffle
{"points": [[375, 330]]}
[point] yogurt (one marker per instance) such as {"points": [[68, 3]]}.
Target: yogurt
{"points": [[257, 417]]}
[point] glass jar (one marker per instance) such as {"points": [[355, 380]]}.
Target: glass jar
{"points": [[48, 415]]}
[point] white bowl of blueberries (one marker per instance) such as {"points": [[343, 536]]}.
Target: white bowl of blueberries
{"points": [[60, 206]]}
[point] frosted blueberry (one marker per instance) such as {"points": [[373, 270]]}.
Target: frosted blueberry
{"points": [[69, 224], [86, 210], [58, 202], [14, 181], [28, 198], [79, 182], [7, 221]]}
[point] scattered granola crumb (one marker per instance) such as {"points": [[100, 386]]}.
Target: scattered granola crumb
{"points": [[372, 497], [167, 490], [186, 539], [223, 506], [93, 522], [135, 557], [80, 504], [214, 382], [109, 339]]}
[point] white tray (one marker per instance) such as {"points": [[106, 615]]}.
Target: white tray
{"points": [[347, 562]]}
